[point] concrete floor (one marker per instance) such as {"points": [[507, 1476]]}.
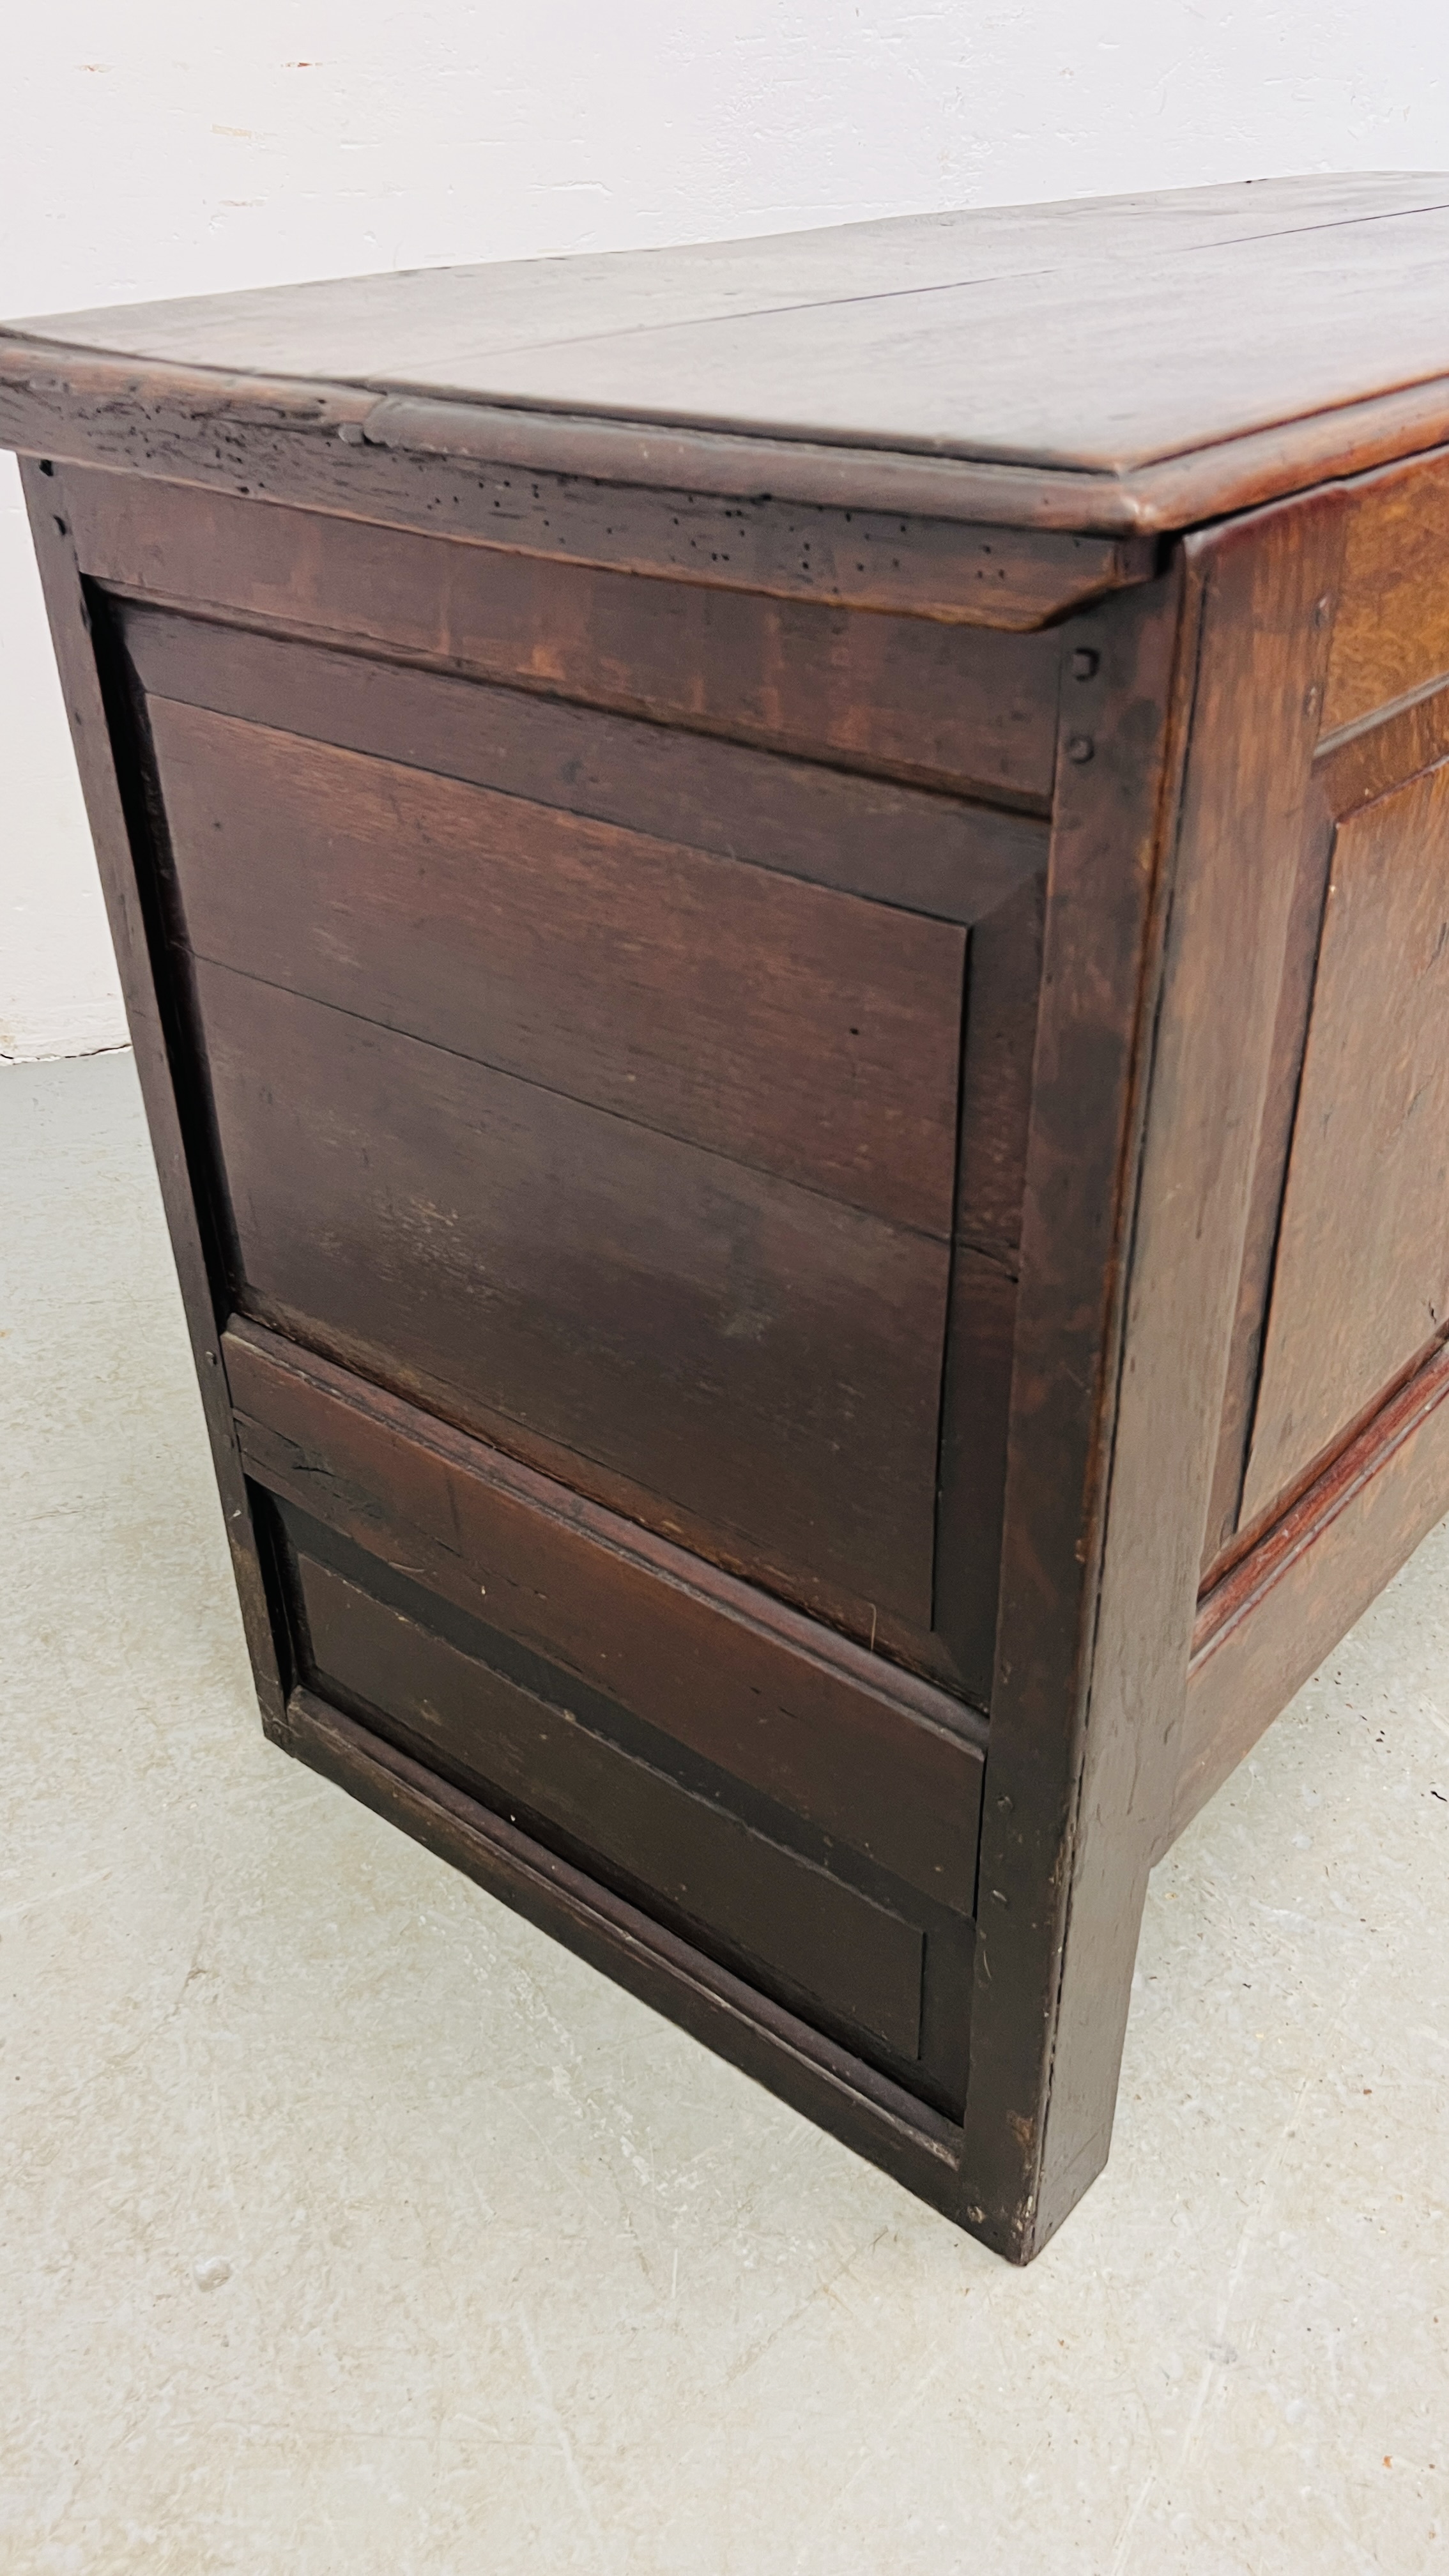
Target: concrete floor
{"points": [[351, 2225]]}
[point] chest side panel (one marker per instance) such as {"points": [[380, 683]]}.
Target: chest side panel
{"points": [[1330, 1462], [1361, 1286], [1344, 1287], [595, 1049]]}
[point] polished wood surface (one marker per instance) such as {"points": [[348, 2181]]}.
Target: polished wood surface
{"points": [[839, 1737], [764, 1356], [1361, 1285], [1391, 637], [979, 373], [786, 1026], [994, 334], [800, 1086], [924, 851], [934, 705], [1269, 1623], [733, 1888], [441, 322]]}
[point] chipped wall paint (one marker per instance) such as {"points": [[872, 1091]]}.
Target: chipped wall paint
{"points": [[148, 152]]}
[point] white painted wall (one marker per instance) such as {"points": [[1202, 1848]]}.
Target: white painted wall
{"points": [[152, 147]]}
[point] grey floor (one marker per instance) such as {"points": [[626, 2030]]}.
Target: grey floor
{"points": [[350, 2225]]}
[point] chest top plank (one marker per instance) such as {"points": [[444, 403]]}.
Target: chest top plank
{"points": [[1104, 362]]}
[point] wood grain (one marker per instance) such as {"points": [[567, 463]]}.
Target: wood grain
{"points": [[1388, 747], [733, 1891], [975, 1416], [1391, 635], [1361, 1284], [768, 1359], [785, 1025], [434, 466], [105, 754], [1101, 923], [1223, 1536], [400, 462], [1262, 650], [833, 1734], [926, 852], [1003, 991], [946, 706], [549, 852], [879, 2118], [1263, 1630], [1074, 1802], [405, 326], [1008, 333]]}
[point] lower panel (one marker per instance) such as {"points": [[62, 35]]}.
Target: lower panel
{"points": [[1268, 1625], [828, 2085], [799, 1811], [736, 1889]]}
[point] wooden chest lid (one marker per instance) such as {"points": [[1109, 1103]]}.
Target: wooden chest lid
{"points": [[1124, 363]]}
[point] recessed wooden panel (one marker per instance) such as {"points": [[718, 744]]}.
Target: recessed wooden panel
{"points": [[840, 1738], [766, 1358], [953, 704], [915, 847], [1391, 632], [783, 1024], [1361, 1286], [736, 1888], [1285, 1605]]}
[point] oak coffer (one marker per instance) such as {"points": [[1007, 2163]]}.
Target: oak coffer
{"points": [[785, 910]]}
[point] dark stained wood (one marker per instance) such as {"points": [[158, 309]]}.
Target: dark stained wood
{"points": [[927, 852], [1391, 635], [948, 706], [919, 2146], [446, 466], [1263, 1630], [1070, 1850], [784, 1025], [1001, 335], [825, 1730], [732, 1889], [1101, 930], [996, 1076], [901, 1646], [1004, 983], [729, 1258], [438, 325], [1262, 646], [467, 466], [975, 1414], [747, 1881], [109, 784], [1393, 744], [768, 1359], [1352, 770], [1025, 368], [1222, 1537], [1361, 1283]]}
